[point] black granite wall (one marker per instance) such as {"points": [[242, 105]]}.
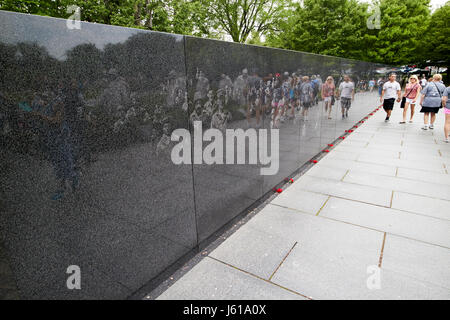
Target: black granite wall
{"points": [[86, 176]]}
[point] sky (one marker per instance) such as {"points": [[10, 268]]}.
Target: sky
{"points": [[434, 3], [437, 3]]}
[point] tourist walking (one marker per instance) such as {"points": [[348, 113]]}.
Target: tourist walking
{"points": [[328, 89], [391, 90], [423, 82], [446, 105], [431, 101], [410, 96], [347, 95], [306, 96]]}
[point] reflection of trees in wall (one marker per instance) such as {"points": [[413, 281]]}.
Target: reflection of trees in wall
{"points": [[134, 71]]}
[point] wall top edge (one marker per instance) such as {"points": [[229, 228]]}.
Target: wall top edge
{"points": [[188, 37]]}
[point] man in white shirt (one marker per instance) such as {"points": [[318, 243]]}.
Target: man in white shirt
{"points": [[347, 94], [423, 82], [391, 90]]}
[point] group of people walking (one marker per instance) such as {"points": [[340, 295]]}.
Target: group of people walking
{"points": [[431, 95]]}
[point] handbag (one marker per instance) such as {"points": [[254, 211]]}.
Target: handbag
{"points": [[402, 104], [440, 95]]}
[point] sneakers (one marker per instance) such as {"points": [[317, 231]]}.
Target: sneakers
{"points": [[386, 120], [431, 127], [446, 140], [425, 127]]}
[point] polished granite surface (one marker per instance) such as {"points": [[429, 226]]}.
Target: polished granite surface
{"points": [[86, 175]]}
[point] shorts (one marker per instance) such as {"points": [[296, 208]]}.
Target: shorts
{"points": [[346, 102], [429, 109], [388, 104], [411, 101], [307, 105], [327, 99], [447, 111]]}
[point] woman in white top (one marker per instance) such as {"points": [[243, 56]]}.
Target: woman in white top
{"points": [[412, 92], [328, 90]]}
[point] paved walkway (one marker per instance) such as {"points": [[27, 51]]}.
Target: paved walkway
{"points": [[371, 220]]}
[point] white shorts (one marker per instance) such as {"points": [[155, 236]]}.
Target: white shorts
{"points": [[327, 99], [410, 101]]}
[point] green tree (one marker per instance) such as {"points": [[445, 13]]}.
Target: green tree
{"points": [[331, 27], [403, 26], [177, 16], [436, 39], [239, 18]]}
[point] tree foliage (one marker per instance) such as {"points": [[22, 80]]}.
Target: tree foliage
{"points": [[407, 32], [402, 30], [436, 39], [239, 18], [332, 27]]}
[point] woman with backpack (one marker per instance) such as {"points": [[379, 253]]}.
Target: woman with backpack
{"points": [[431, 100], [412, 92]]}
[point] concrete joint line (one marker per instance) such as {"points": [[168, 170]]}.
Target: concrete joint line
{"points": [[392, 198], [348, 170], [380, 261], [260, 278], [270, 278]]}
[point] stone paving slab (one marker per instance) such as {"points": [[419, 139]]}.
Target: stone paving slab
{"points": [[418, 260], [304, 201], [212, 280], [368, 194], [261, 254], [415, 226], [375, 207], [434, 190], [420, 204]]}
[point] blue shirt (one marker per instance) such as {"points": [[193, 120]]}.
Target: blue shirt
{"points": [[433, 94]]}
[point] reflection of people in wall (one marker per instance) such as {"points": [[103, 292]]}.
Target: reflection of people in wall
{"points": [[59, 117], [202, 87]]}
